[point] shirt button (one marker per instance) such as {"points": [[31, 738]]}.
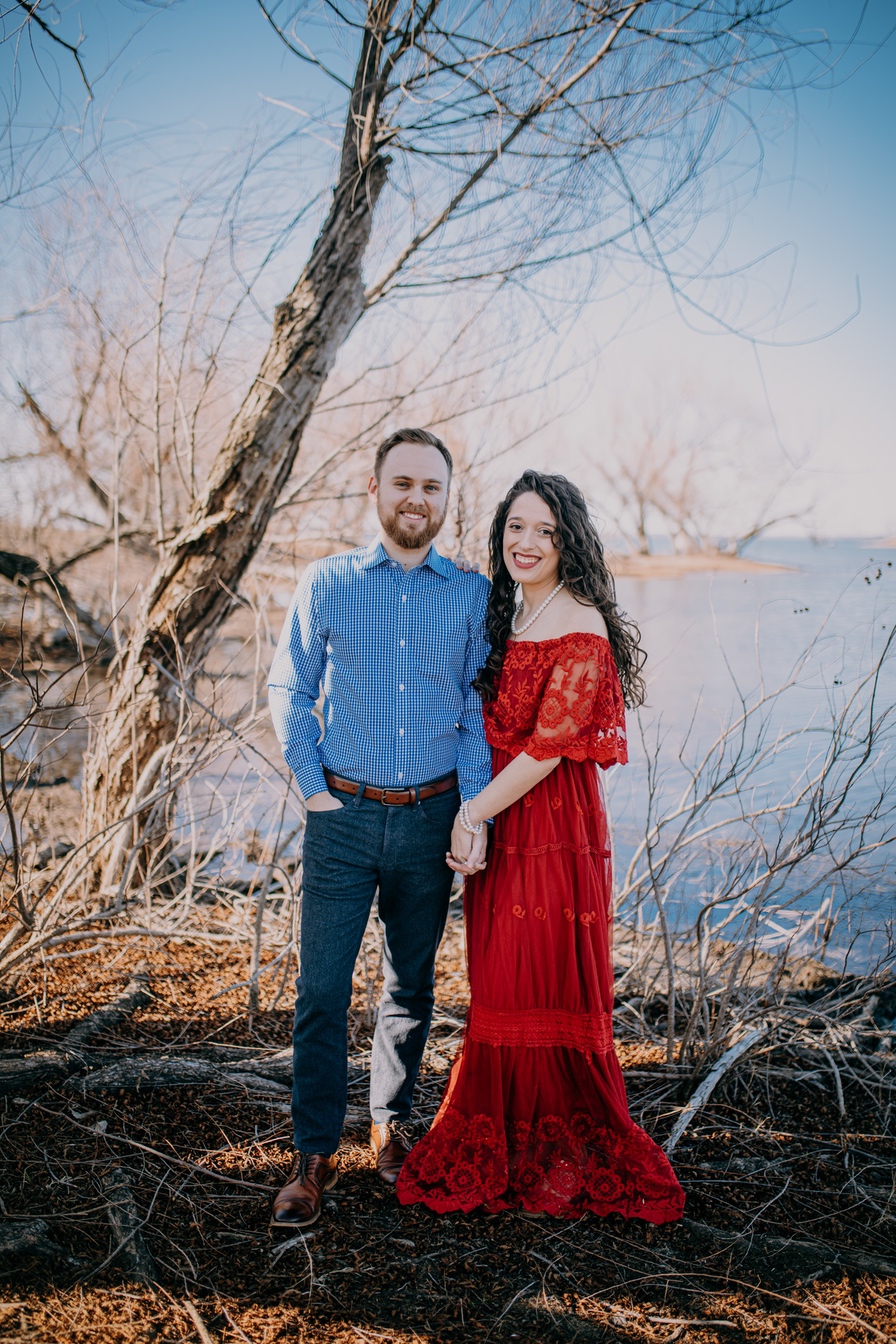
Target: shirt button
{"points": [[401, 643], [401, 732], [401, 686], [404, 597], [399, 774]]}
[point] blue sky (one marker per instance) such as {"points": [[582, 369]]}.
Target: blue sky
{"points": [[194, 79]]}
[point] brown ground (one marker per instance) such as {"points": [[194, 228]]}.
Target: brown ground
{"points": [[784, 1199]]}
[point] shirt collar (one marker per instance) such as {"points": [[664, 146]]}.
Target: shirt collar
{"points": [[376, 554]]}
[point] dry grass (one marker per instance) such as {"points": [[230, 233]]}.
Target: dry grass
{"points": [[788, 1227]]}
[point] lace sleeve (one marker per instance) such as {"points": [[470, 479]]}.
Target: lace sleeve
{"points": [[582, 714]]}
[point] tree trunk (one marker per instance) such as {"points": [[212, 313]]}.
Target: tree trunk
{"points": [[191, 592]]}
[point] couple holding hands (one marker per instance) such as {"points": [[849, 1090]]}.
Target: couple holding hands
{"points": [[463, 731]]}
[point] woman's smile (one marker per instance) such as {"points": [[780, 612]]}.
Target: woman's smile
{"points": [[530, 551]]}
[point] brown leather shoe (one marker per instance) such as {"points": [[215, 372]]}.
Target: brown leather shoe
{"points": [[298, 1203], [391, 1144]]}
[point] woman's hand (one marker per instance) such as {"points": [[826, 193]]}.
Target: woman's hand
{"points": [[467, 854]]}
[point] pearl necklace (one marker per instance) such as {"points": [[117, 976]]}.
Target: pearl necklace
{"points": [[521, 629]]}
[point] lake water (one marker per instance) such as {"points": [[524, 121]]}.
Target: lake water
{"points": [[714, 640], [718, 640]]}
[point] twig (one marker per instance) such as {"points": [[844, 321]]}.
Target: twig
{"points": [[234, 1327], [837, 1081], [33, 16], [197, 1321], [872, 1330], [706, 1088], [154, 1152]]}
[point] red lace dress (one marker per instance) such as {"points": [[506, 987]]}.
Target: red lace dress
{"points": [[535, 1114]]}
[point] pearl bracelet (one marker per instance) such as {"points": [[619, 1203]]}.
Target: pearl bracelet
{"points": [[466, 823]]}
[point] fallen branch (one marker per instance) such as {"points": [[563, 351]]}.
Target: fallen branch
{"points": [[30, 1238], [47, 1066], [136, 994], [131, 1250], [767, 1248], [145, 1073], [198, 1322], [26, 572], [706, 1088]]}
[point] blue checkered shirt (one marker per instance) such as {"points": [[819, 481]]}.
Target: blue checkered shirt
{"points": [[395, 653]]}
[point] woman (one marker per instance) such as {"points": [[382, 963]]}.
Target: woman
{"points": [[535, 1114]]}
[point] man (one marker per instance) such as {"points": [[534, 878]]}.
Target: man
{"points": [[394, 634]]}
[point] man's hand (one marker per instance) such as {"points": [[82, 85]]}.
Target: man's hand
{"points": [[323, 802], [467, 854]]}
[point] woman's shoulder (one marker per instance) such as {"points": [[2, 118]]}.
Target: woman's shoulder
{"points": [[573, 618]]}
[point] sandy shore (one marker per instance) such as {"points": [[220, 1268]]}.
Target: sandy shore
{"points": [[674, 566]]}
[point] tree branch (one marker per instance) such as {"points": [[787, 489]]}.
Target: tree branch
{"points": [[535, 110], [31, 11]]}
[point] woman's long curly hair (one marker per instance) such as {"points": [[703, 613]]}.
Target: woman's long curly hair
{"points": [[583, 571]]}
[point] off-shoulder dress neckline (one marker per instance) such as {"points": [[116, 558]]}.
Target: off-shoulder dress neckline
{"points": [[558, 639]]}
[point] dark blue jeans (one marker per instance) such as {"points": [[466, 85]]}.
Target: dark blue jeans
{"points": [[348, 855]]}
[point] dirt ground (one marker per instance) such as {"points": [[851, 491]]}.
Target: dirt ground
{"points": [[788, 1232]]}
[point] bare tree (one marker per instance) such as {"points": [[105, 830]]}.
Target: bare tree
{"points": [[520, 141], [683, 470]]}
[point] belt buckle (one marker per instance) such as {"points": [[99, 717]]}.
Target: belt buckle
{"points": [[394, 802]]}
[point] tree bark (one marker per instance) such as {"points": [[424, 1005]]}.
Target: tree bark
{"points": [[192, 590]]}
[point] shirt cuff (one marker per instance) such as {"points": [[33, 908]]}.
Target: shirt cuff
{"points": [[309, 776], [469, 788]]}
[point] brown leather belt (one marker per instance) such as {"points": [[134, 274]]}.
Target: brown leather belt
{"points": [[392, 797]]}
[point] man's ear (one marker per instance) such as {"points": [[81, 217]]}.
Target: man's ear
{"points": [[372, 487]]}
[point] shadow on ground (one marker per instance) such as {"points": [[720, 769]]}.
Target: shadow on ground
{"points": [[789, 1223]]}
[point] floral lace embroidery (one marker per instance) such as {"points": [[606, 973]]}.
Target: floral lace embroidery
{"points": [[539, 1027], [559, 697], [562, 1167]]}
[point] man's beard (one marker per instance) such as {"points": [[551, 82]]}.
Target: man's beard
{"points": [[410, 539]]}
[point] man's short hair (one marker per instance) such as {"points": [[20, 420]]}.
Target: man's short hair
{"points": [[421, 436]]}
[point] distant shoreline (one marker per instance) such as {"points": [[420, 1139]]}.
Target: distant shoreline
{"points": [[634, 566]]}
